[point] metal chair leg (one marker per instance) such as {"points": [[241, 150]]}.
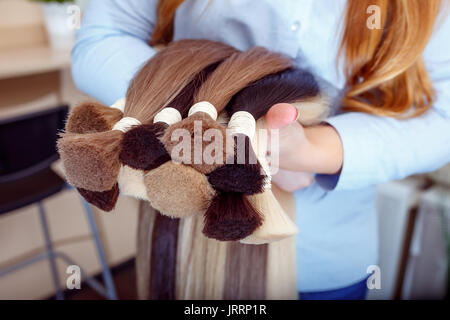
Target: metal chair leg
{"points": [[106, 273], [49, 247], [22, 264]]}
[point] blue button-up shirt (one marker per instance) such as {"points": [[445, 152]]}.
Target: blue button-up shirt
{"points": [[336, 215]]}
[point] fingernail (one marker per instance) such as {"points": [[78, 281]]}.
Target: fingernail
{"points": [[297, 114]]}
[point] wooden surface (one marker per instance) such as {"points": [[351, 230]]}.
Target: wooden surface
{"points": [[17, 62], [22, 95], [21, 24]]}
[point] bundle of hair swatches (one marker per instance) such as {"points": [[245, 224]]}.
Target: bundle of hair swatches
{"points": [[196, 87]]}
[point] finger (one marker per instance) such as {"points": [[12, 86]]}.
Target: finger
{"points": [[284, 135], [281, 115]]}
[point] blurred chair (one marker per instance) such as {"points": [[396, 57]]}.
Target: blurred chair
{"points": [[27, 149]]}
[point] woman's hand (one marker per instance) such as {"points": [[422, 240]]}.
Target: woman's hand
{"points": [[316, 149]]}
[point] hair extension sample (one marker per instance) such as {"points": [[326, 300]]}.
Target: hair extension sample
{"points": [[105, 200], [200, 262], [198, 125], [141, 146], [89, 159], [145, 227], [230, 217], [245, 271], [290, 85], [163, 258], [239, 70], [236, 72], [247, 177], [131, 183], [158, 83], [177, 190], [276, 225], [90, 117]]}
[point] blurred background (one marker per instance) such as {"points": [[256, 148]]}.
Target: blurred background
{"points": [[35, 42]]}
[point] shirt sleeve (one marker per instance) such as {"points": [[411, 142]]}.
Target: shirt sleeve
{"points": [[112, 45], [380, 149]]}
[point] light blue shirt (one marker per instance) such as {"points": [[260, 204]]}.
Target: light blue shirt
{"points": [[336, 215]]}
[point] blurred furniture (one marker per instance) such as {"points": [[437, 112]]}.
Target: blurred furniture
{"points": [[27, 150], [395, 206], [32, 75], [441, 176], [426, 275], [22, 61], [33, 78], [21, 24], [413, 224]]}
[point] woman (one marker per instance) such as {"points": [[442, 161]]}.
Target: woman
{"points": [[396, 88]]}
